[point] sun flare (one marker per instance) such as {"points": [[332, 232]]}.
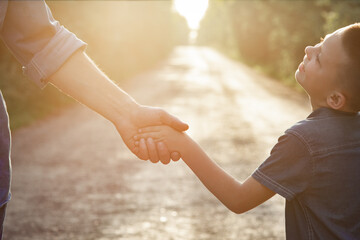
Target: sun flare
{"points": [[192, 11]]}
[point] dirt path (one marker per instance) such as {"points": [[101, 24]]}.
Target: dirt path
{"points": [[74, 179]]}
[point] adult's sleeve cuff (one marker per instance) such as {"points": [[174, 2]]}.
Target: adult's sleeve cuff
{"points": [[52, 56]]}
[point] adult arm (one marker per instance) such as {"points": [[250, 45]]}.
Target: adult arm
{"points": [[80, 78], [49, 52]]}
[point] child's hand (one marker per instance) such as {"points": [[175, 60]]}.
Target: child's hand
{"points": [[172, 138]]}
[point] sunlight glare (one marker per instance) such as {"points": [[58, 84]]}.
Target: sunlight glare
{"points": [[192, 11]]}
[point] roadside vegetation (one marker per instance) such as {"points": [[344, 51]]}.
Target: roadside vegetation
{"points": [[271, 35]]}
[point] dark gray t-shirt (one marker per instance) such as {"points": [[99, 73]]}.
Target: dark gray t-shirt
{"points": [[316, 166]]}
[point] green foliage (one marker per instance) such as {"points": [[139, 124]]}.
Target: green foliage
{"points": [[272, 35], [124, 38]]}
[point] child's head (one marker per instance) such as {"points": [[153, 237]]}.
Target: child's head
{"points": [[330, 72]]}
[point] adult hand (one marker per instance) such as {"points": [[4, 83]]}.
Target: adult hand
{"points": [[141, 116]]}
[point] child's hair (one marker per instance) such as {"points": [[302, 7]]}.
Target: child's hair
{"points": [[351, 45]]}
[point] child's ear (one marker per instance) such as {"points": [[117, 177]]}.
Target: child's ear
{"points": [[336, 100]]}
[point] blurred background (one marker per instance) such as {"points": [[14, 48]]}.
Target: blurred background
{"points": [[126, 38], [72, 177]]}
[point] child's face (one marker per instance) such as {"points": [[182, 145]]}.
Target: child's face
{"points": [[318, 72]]}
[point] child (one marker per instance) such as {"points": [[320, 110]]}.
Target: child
{"points": [[316, 164]]}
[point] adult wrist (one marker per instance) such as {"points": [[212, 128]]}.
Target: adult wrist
{"points": [[124, 110]]}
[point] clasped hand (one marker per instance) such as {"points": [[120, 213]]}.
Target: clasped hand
{"points": [[142, 116]]}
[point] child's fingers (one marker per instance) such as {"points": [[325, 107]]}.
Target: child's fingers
{"points": [[175, 156], [149, 129], [142, 150], [151, 147], [163, 152]]}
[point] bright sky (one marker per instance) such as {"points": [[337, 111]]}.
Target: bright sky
{"points": [[192, 10]]}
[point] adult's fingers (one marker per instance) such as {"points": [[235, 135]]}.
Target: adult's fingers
{"points": [[151, 147], [163, 152], [173, 122], [175, 156]]}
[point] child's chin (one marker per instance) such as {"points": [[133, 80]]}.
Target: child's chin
{"points": [[297, 76], [300, 81]]}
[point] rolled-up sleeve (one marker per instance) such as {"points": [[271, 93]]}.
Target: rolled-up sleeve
{"points": [[37, 40]]}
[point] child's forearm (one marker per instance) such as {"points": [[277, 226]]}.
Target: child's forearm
{"points": [[238, 197], [217, 181]]}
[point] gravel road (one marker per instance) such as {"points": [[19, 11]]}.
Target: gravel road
{"points": [[73, 178]]}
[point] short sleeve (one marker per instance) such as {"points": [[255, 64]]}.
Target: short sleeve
{"points": [[288, 169]]}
